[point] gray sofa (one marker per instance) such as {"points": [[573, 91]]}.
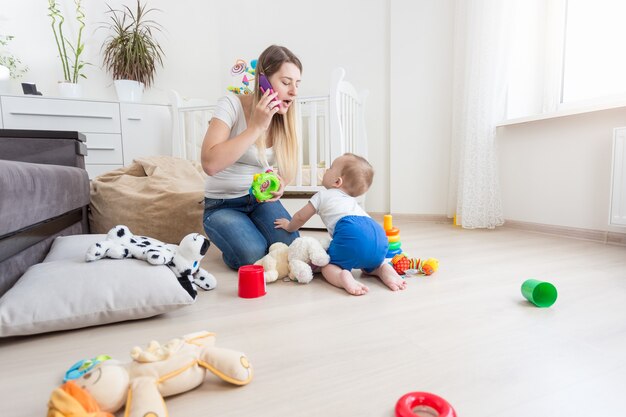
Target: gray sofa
{"points": [[44, 193]]}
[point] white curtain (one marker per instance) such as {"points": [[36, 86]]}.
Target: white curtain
{"points": [[480, 71]]}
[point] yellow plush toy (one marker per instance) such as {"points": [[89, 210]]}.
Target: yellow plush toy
{"points": [[156, 372]]}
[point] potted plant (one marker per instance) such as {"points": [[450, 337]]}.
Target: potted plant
{"points": [[131, 52], [71, 63], [10, 66]]}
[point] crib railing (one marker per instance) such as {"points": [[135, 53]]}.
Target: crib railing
{"points": [[328, 126], [190, 119], [347, 121], [314, 135]]}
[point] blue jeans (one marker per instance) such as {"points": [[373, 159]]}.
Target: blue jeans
{"points": [[243, 229]]}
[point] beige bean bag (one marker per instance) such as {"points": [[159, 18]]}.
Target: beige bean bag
{"points": [[161, 197]]}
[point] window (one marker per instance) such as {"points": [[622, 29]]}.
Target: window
{"points": [[566, 53], [595, 50]]}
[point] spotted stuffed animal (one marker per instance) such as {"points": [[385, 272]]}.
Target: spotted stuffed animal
{"points": [[120, 243], [183, 259]]}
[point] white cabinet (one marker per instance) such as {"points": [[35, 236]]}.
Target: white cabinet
{"points": [[116, 132], [146, 129], [618, 179]]}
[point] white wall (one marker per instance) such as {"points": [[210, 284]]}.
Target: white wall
{"points": [[558, 171], [202, 40], [421, 105], [401, 51]]}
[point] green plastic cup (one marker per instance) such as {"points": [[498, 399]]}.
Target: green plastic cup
{"points": [[540, 293]]}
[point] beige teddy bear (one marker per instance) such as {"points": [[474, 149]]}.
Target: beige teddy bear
{"points": [[294, 261], [275, 263]]}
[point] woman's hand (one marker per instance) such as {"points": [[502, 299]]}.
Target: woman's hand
{"points": [[265, 109], [278, 193]]}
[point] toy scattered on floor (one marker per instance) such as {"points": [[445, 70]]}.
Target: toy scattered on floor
{"points": [[408, 402], [81, 367], [154, 373], [251, 281], [276, 262], [393, 236], [295, 261], [263, 185], [183, 259], [540, 293], [404, 265]]}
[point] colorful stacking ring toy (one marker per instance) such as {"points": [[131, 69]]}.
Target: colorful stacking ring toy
{"points": [[394, 245], [406, 404]]}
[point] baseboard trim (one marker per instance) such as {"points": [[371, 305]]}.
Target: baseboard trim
{"points": [[601, 236], [432, 218]]}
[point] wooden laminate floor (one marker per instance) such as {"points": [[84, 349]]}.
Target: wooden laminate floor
{"points": [[464, 333]]}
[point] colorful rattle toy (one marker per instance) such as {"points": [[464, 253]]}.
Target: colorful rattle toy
{"points": [[264, 184], [401, 263], [412, 266], [407, 403]]}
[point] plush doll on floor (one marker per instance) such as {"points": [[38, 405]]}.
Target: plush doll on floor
{"points": [[183, 259], [296, 260], [159, 371]]}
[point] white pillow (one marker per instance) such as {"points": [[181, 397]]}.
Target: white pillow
{"points": [[65, 292]]}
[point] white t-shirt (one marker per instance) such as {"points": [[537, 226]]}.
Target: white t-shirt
{"points": [[333, 204], [235, 180]]}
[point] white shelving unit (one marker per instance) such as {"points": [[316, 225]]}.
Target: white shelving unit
{"points": [[116, 132]]}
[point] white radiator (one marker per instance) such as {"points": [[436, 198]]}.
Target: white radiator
{"points": [[617, 216]]}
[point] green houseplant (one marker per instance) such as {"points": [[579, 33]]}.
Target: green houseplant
{"points": [[9, 60], [131, 52], [10, 66], [69, 52]]}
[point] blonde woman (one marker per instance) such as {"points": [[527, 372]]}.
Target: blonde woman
{"points": [[247, 135]]}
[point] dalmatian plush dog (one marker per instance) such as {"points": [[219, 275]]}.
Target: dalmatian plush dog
{"points": [[183, 259]]}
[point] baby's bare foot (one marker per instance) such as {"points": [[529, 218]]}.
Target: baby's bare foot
{"points": [[391, 278], [351, 285]]}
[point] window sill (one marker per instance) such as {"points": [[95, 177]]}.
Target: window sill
{"points": [[565, 112]]}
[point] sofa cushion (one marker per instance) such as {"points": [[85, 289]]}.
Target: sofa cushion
{"points": [[65, 292], [32, 193]]}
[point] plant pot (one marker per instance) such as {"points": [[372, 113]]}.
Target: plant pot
{"points": [[70, 90], [128, 90]]}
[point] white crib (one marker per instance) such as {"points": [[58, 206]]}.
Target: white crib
{"points": [[328, 126]]}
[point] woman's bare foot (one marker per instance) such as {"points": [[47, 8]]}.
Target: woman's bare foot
{"points": [[351, 285], [390, 277]]}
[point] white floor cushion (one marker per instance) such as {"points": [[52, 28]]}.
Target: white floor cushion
{"points": [[65, 292]]}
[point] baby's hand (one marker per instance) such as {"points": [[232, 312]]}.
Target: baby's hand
{"points": [[281, 224]]}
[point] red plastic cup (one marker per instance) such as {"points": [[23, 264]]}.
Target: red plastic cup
{"points": [[251, 281]]}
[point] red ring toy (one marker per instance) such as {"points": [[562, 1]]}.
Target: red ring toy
{"points": [[406, 404]]}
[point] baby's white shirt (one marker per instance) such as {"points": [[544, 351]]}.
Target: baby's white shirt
{"points": [[333, 204]]}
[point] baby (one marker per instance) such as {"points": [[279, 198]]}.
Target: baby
{"points": [[358, 241]]}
